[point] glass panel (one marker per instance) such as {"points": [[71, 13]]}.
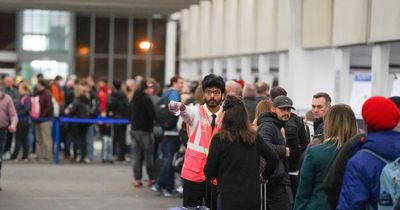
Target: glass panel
{"points": [[120, 69], [27, 21], [58, 41], [102, 35], [36, 22], [157, 70], [35, 43], [159, 34], [140, 34], [139, 67], [66, 20], [47, 28], [49, 68], [121, 36], [7, 32], [101, 68], [82, 38], [82, 67], [44, 20]]}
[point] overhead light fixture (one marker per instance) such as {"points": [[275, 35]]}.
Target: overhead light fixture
{"points": [[83, 50], [145, 45]]}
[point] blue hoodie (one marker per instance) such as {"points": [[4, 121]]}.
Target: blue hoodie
{"points": [[361, 179]]}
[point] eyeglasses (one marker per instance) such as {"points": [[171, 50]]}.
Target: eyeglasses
{"points": [[212, 92]]}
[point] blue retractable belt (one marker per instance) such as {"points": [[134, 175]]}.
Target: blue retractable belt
{"points": [[57, 123]]}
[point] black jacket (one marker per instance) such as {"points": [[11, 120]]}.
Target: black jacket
{"points": [[319, 129], [235, 165], [142, 113], [83, 107], [269, 128], [117, 104], [296, 140]]}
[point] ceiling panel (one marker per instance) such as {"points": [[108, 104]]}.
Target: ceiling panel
{"points": [[117, 7]]}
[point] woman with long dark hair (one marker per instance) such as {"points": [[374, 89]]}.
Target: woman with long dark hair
{"points": [[234, 157]]}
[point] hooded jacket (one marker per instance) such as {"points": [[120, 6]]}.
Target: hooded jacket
{"points": [[361, 182], [269, 128], [141, 112], [117, 104]]}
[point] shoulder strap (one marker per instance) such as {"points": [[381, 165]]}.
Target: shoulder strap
{"points": [[23, 99], [376, 155]]}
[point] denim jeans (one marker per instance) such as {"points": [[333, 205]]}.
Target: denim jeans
{"points": [[3, 139], [90, 142], [169, 147], [31, 138]]}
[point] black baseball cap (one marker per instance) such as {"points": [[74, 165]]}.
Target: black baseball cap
{"points": [[283, 102]]}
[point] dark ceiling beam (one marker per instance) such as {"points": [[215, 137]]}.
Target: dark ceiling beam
{"points": [[118, 7]]}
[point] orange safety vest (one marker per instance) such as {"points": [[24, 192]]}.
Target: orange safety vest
{"points": [[197, 147]]}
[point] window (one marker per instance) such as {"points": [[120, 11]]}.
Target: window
{"points": [[44, 30], [7, 32]]}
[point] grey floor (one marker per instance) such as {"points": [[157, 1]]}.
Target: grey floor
{"points": [[75, 186]]}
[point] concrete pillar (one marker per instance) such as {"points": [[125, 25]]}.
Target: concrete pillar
{"points": [[184, 68], [205, 28], [217, 28], [129, 72], [218, 66], [247, 26], [380, 70], [184, 33], [266, 29], [193, 74], [205, 68], [231, 66], [231, 46], [71, 51], [92, 44], [245, 66], [149, 54], [110, 72], [194, 27], [342, 75], [283, 70], [170, 48], [264, 73]]}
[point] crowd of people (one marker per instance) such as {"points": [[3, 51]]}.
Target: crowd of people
{"points": [[227, 156], [234, 139]]}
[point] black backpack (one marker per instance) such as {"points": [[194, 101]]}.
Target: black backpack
{"points": [[164, 117], [294, 132]]}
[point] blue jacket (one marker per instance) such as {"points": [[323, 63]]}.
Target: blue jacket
{"points": [[361, 179]]}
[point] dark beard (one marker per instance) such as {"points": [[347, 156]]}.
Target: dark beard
{"points": [[213, 103]]}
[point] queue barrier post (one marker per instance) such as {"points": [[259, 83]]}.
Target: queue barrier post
{"points": [[57, 124]]}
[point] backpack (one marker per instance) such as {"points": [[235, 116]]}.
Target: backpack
{"points": [[35, 109], [293, 128], [389, 193], [163, 115]]}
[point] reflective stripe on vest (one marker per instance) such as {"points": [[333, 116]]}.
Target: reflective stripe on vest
{"points": [[197, 147]]}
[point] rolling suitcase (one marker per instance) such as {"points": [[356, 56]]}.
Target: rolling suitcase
{"points": [[107, 149]]}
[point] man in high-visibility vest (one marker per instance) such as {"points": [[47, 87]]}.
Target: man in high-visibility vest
{"points": [[203, 122]]}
